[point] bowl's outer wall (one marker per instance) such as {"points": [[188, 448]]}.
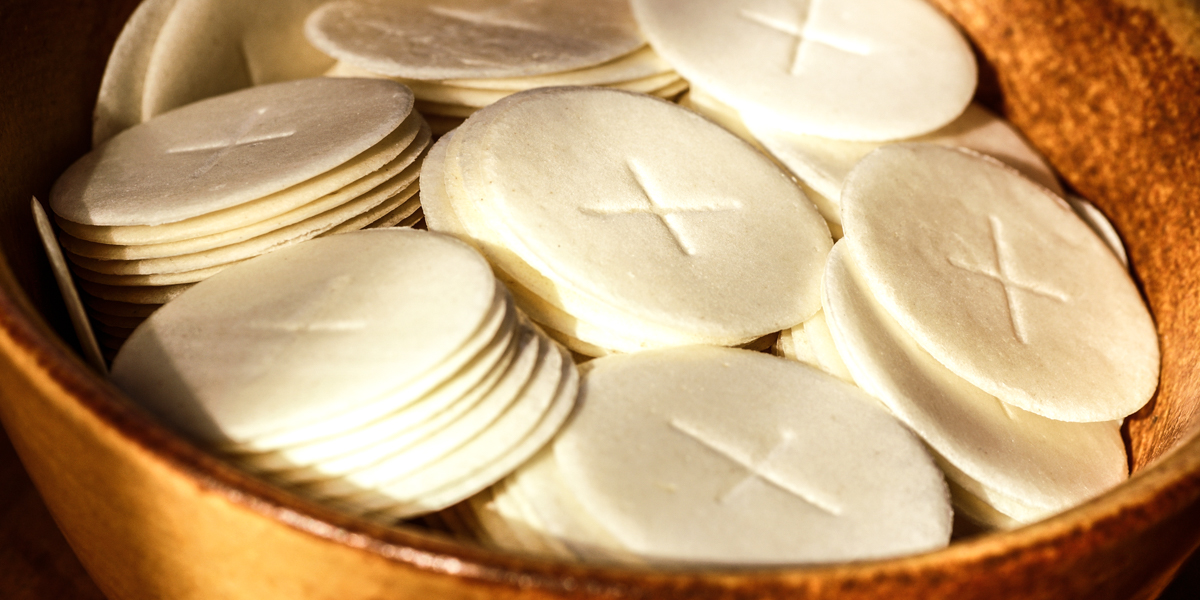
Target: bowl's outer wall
{"points": [[1106, 90]]}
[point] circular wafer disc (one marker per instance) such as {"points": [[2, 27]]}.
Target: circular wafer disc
{"points": [[666, 229], [448, 39], [292, 326], [1048, 465], [1001, 282], [746, 458], [845, 69], [229, 150]]}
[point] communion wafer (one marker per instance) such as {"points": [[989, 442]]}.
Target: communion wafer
{"points": [[419, 39], [62, 275], [780, 462], [463, 219], [206, 48], [387, 196], [362, 169], [228, 150], [339, 294], [859, 69], [402, 170], [119, 103], [1000, 282], [662, 236], [1047, 465], [546, 304]]}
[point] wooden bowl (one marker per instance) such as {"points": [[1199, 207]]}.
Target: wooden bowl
{"points": [[1108, 89]]}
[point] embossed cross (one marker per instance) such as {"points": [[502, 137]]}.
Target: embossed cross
{"points": [[241, 138], [760, 469], [667, 213], [799, 31], [1004, 272]]}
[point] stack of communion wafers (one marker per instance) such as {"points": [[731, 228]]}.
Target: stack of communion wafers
{"points": [[173, 201], [622, 222], [1000, 328], [339, 377], [462, 55]]}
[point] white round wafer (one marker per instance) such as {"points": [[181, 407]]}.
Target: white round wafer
{"points": [[447, 39], [1046, 464], [210, 47], [404, 168], [720, 455], [567, 328], [1001, 282], [848, 69], [362, 168], [666, 229], [385, 197], [119, 102], [292, 326], [226, 151]]}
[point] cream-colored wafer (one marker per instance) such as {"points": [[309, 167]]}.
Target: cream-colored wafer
{"points": [[229, 150], [292, 325], [450, 39], [656, 233], [210, 47], [400, 171], [1001, 282], [746, 458], [1045, 464], [119, 103], [62, 274], [360, 168], [845, 69], [499, 319]]}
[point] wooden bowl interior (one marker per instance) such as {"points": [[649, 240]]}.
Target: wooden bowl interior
{"points": [[1113, 105]]}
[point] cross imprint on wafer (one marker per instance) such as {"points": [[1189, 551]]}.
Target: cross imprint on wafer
{"points": [[798, 30], [760, 469], [1004, 273], [240, 138], [666, 215], [300, 321]]}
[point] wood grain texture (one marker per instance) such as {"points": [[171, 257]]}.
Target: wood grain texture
{"points": [[1107, 88]]}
